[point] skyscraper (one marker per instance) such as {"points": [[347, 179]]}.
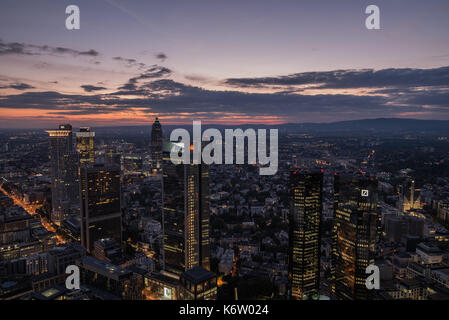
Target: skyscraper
{"points": [[100, 204], [304, 233], [356, 214], [85, 146], [64, 174], [185, 214], [409, 198], [156, 145]]}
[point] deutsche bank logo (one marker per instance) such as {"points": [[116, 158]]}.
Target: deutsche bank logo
{"points": [[365, 193]]}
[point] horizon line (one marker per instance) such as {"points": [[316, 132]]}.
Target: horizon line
{"points": [[228, 124]]}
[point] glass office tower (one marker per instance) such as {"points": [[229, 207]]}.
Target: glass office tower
{"points": [[356, 213], [64, 174], [85, 146], [306, 189], [185, 214], [100, 204], [156, 145]]}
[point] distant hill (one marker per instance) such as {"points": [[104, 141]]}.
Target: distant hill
{"points": [[375, 125], [380, 125]]}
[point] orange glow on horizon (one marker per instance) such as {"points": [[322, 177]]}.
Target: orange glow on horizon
{"points": [[134, 116]]}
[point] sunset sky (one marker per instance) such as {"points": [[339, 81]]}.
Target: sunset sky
{"points": [[224, 62]]}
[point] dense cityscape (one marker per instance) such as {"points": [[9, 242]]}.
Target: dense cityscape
{"points": [[141, 227], [224, 159]]}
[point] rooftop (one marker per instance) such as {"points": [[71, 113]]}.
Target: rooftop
{"points": [[429, 249], [106, 243], [197, 275], [50, 293], [103, 267]]}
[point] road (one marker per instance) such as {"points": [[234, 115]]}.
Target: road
{"points": [[32, 210]]}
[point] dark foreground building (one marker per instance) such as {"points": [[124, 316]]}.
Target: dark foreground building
{"points": [[64, 174], [100, 204], [198, 284], [356, 215], [185, 215], [306, 189], [108, 277]]}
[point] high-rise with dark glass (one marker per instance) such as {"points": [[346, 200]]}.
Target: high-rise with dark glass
{"points": [[185, 215], [356, 213], [85, 146], [306, 189], [64, 174], [156, 145], [100, 204]]}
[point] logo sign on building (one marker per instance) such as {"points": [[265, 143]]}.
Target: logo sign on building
{"points": [[167, 293], [365, 193]]}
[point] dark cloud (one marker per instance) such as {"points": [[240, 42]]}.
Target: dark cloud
{"points": [[152, 92], [161, 56], [61, 50], [130, 62], [12, 48], [30, 49], [364, 78], [166, 96], [125, 60], [90, 88], [437, 98], [17, 86], [152, 72], [50, 100], [129, 86]]}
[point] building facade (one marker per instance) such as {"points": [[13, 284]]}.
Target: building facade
{"points": [[64, 174], [185, 215], [356, 213], [304, 234], [85, 145], [156, 145], [198, 284], [100, 204]]}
